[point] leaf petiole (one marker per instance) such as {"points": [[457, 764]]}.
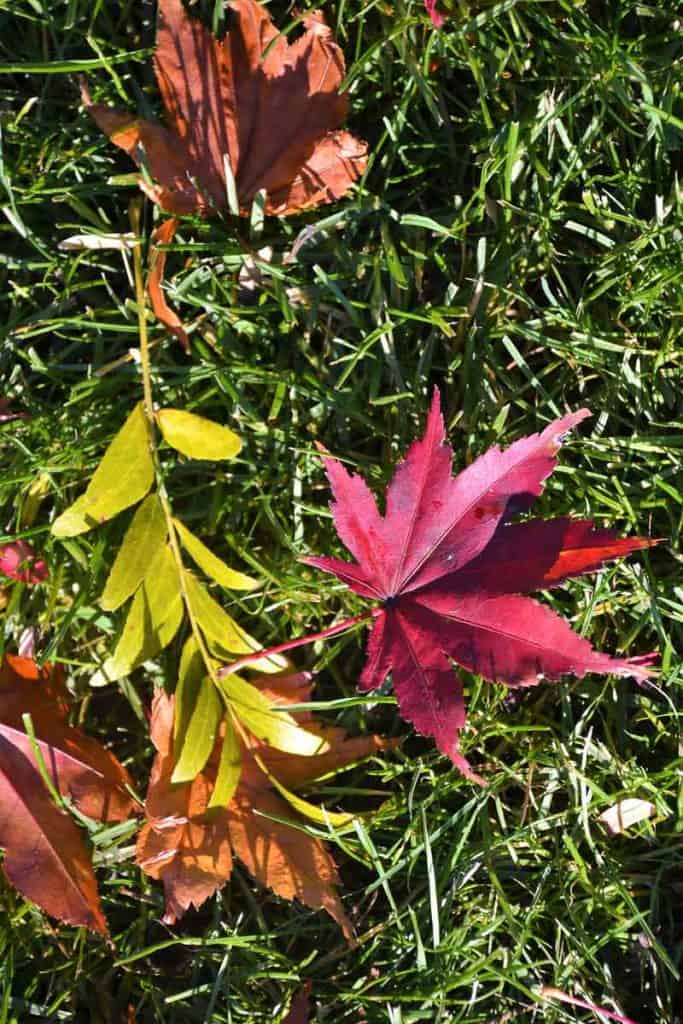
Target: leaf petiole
{"points": [[290, 645]]}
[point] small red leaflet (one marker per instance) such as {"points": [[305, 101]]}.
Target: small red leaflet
{"points": [[450, 569]]}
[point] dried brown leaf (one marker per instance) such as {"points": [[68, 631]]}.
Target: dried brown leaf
{"points": [[273, 116], [164, 235]]}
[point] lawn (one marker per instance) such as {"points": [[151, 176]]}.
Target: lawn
{"points": [[517, 241]]}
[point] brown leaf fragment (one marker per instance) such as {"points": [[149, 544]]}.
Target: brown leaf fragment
{"points": [[300, 1009], [45, 856], [274, 119], [21, 681], [190, 847], [164, 235]]}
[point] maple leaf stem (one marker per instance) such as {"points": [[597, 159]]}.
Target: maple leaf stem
{"points": [[289, 645]]}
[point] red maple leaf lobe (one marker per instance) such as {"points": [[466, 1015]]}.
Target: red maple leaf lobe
{"points": [[449, 570]]}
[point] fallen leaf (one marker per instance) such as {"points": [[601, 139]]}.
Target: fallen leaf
{"points": [[270, 109], [300, 1009], [191, 847], [164, 235], [625, 813], [448, 569], [45, 856], [6, 413], [432, 9], [246, 115], [18, 560], [122, 242]]}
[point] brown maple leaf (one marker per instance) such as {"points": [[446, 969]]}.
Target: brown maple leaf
{"points": [[267, 110], [191, 848], [45, 856], [272, 116]]}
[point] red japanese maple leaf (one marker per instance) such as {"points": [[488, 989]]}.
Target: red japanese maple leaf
{"points": [[449, 569]]}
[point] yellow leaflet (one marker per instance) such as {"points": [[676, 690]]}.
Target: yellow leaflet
{"points": [[190, 674], [212, 565], [337, 819], [122, 478], [197, 437], [221, 631], [277, 728], [229, 767], [197, 742], [144, 538], [152, 622]]}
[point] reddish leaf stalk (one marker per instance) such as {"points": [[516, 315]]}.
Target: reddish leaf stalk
{"points": [[290, 645], [548, 992]]}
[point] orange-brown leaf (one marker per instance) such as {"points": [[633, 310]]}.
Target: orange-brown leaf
{"points": [[274, 118], [45, 856], [189, 847], [22, 680]]}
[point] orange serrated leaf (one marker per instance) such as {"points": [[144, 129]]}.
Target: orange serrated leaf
{"points": [[189, 846]]}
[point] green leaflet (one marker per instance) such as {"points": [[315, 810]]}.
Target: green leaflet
{"points": [[208, 562], [143, 540], [221, 631], [229, 767], [122, 478], [197, 742], [277, 728], [197, 437], [190, 674], [153, 620]]}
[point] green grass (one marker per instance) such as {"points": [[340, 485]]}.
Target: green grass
{"points": [[517, 241]]}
